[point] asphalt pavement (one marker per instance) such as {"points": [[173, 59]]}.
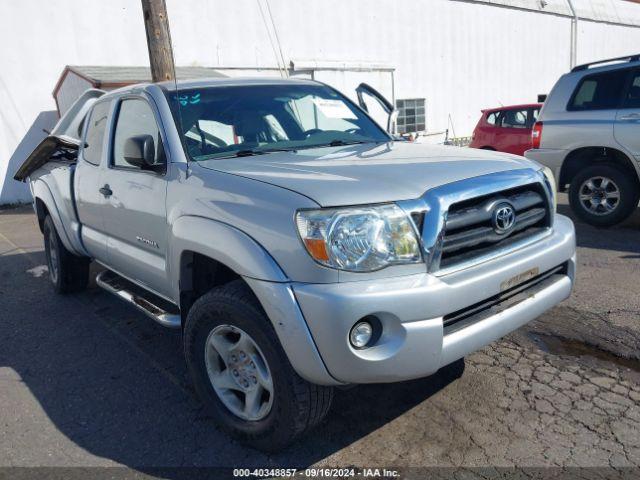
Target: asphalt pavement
{"points": [[87, 381]]}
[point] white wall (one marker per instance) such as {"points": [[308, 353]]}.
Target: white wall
{"points": [[460, 55], [601, 40], [38, 39]]}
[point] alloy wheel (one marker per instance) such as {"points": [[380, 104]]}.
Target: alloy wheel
{"points": [[52, 256], [239, 373], [599, 195]]}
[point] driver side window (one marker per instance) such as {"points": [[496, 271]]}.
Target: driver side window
{"points": [[135, 117]]}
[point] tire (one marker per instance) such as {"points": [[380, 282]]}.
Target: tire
{"points": [[67, 272], [619, 181], [296, 405]]}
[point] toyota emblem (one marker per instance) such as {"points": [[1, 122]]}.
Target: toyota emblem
{"points": [[504, 218]]}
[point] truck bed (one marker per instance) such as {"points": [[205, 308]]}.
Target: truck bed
{"points": [[52, 148]]}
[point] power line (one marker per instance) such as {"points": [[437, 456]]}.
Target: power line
{"points": [[273, 47], [275, 30]]}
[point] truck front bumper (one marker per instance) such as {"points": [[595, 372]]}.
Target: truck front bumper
{"points": [[412, 311]]}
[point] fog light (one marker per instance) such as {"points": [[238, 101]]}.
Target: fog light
{"points": [[361, 334]]}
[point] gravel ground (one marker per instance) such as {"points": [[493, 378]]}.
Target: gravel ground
{"points": [[87, 381]]}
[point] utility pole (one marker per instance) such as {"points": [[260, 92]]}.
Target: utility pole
{"points": [[573, 54], [156, 23]]}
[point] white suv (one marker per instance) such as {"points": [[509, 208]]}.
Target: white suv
{"points": [[588, 133]]}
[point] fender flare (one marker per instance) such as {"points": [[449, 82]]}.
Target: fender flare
{"points": [[41, 191], [221, 242], [245, 256], [634, 163]]}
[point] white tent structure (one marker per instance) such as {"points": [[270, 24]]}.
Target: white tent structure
{"points": [[449, 57]]}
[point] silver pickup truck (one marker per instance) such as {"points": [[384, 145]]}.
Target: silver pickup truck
{"points": [[296, 243]]}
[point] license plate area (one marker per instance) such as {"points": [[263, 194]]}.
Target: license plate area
{"points": [[519, 278], [510, 297]]}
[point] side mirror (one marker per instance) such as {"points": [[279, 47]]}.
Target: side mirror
{"points": [[140, 151]]}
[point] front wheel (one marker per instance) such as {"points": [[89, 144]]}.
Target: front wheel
{"points": [[67, 272], [603, 195], [242, 374]]}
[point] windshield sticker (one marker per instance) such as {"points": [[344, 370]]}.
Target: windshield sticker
{"points": [[334, 108], [189, 99]]}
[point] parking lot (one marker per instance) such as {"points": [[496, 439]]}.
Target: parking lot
{"points": [[87, 381]]}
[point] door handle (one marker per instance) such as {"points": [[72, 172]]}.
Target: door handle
{"points": [[630, 117], [106, 191]]}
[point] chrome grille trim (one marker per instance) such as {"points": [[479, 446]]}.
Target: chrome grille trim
{"points": [[434, 207], [471, 226], [482, 213], [479, 235]]}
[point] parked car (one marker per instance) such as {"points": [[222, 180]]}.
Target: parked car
{"points": [[296, 245], [506, 129], [588, 133]]}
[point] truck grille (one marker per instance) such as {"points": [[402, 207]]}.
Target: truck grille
{"points": [[473, 227]]}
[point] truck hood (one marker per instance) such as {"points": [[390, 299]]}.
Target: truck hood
{"points": [[368, 173]]}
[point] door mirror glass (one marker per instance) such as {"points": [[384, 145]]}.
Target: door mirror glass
{"points": [[140, 151], [378, 107]]}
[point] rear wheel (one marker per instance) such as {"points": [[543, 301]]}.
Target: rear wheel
{"points": [[242, 374], [603, 195], [68, 273]]}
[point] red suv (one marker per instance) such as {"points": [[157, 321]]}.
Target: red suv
{"points": [[506, 129]]}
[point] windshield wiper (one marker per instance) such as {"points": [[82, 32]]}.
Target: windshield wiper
{"points": [[246, 153], [342, 143], [337, 143], [251, 153]]}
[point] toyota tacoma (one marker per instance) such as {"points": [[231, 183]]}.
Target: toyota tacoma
{"points": [[296, 243]]}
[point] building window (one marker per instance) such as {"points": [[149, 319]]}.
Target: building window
{"points": [[411, 116]]}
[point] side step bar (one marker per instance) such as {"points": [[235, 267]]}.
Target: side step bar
{"points": [[151, 305]]}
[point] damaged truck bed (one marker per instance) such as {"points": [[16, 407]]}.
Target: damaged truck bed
{"points": [[64, 140]]}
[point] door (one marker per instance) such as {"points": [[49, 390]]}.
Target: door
{"points": [[378, 107], [488, 129], [627, 126], [514, 135], [88, 180], [135, 209]]}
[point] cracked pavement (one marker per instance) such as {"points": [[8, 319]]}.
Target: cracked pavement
{"points": [[87, 381]]}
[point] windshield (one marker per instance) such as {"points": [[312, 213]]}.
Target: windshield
{"points": [[229, 121]]}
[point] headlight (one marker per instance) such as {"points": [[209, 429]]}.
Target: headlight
{"points": [[359, 239], [551, 180]]}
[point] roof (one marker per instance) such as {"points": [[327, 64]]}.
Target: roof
{"points": [[235, 81], [118, 75], [512, 107], [609, 64], [211, 82], [113, 76], [608, 11]]}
